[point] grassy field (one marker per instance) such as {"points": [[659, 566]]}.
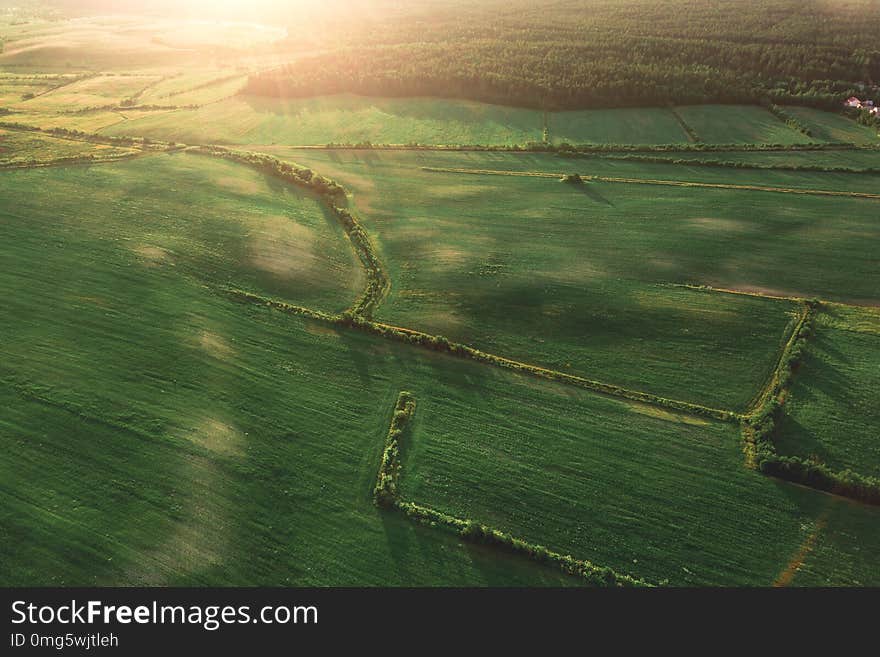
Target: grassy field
{"points": [[240, 226], [847, 158], [831, 414], [23, 147], [317, 121], [95, 91], [605, 480], [567, 276], [654, 125], [246, 443], [826, 126], [738, 124], [355, 119]]}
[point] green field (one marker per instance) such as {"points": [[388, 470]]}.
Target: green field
{"points": [[242, 227], [609, 485], [831, 414], [653, 125], [246, 442], [18, 147], [738, 124], [347, 119], [568, 277], [843, 158], [202, 349], [826, 126]]}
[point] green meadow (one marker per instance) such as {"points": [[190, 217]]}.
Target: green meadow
{"points": [[159, 430], [827, 126], [739, 124], [831, 413], [19, 147], [577, 278], [650, 494], [246, 442]]}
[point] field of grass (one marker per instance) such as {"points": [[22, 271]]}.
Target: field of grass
{"points": [[826, 126], [568, 277], [317, 121], [95, 91], [653, 125], [606, 481], [354, 119], [739, 124], [847, 158], [196, 216], [246, 442], [23, 147], [831, 414]]}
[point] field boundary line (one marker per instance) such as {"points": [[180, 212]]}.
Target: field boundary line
{"points": [[650, 181], [734, 164], [386, 495], [378, 282], [760, 425], [440, 344], [692, 135]]}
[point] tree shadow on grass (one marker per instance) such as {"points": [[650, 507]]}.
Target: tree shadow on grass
{"points": [[589, 190]]}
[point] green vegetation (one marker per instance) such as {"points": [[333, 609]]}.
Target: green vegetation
{"points": [[27, 148], [652, 373], [830, 414], [620, 53], [605, 479], [651, 125], [198, 217], [827, 126], [722, 124]]}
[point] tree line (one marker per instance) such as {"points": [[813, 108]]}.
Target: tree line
{"points": [[618, 54]]}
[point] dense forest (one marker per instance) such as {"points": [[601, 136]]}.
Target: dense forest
{"points": [[572, 54]]}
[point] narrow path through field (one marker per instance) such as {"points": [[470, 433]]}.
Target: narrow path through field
{"points": [[786, 576]]}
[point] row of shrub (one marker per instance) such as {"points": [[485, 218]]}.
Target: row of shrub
{"points": [[332, 195], [657, 159], [568, 149], [85, 158], [443, 344], [762, 424], [129, 107], [779, 112], [386, 492], [80, 135], [691, 133], [477, 533]]}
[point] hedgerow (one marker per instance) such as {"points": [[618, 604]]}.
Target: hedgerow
{"points": [[475, 532], [332, 194], [779, 112], [386, 492], [760, 427], [733, 164]]}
